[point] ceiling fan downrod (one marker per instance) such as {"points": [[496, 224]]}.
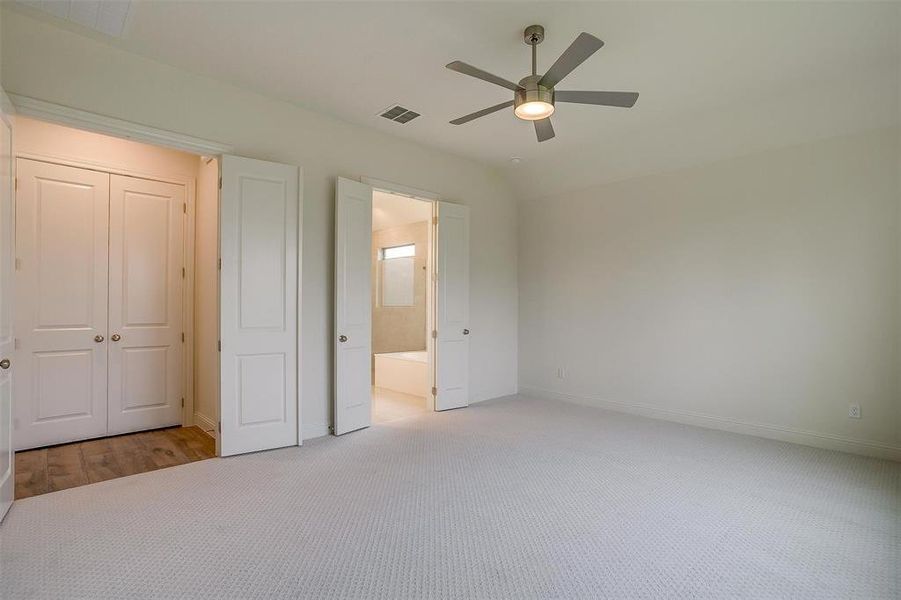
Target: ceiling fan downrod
{"points": [[534, 35]]}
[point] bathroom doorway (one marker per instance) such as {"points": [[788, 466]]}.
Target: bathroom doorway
{"points": [[401, 306], [383, 273]]}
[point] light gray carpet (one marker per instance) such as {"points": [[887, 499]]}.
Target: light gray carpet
{"points": [[517, 498]]}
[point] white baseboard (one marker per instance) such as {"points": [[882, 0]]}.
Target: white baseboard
{"points": [[775, 432], [313, 430], [205, 423]]}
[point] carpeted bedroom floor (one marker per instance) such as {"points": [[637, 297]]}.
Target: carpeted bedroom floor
{"points": [[513, 498]]}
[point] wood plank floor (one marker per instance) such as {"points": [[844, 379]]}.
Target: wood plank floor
{"points": [[70, 465]]}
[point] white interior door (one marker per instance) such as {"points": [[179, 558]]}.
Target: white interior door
{"points": [[62, 226], [7, 457], [353, 306], [146, 278], [452, 307], [258, 236]]}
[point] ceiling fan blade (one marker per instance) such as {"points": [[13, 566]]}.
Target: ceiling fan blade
{"points": [[462, 67], [623, 99], [578, 52], [544, 129], [482, 113]]}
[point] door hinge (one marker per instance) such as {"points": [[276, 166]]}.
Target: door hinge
{"points": [[434, 220], [182, 272], [184, 207], [434, 334], [219, 264], [182, 336], [16, 184], [182, 402], [219, 426], [220, 183], [434, 391], [219, 345]]}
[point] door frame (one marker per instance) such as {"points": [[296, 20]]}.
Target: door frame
{"points": [[430, 295], [87, 121], [8, 484]]}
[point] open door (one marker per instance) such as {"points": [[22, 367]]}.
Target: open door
{"points": [[258, 237], [353, 306], [452, 307], [7, 457]]}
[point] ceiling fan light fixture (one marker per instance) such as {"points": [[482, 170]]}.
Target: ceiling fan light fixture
{"points": [[533, 102], [534, 110]]}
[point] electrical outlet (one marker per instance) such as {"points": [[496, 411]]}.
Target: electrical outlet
{"points": [[561, 372], [854, 411]]}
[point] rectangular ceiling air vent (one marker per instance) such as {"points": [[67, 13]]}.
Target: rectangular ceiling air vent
{"points": [[399, 114]]}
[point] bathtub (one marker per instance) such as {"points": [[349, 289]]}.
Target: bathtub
{"points": [[406, 372]]}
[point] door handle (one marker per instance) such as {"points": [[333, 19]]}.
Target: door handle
{"points": [[115, 337], [342, 338], [4, 364], [98, 338], [465, 332]]}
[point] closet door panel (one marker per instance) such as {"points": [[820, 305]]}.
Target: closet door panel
{"points": [[145, 300], [61, 298]]}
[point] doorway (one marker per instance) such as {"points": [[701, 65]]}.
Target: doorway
{"points": [[105, 297], [381, 298], [239, 271], [401, 305]]}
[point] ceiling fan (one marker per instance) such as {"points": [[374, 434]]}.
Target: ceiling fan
{"points": [[534, 96]]}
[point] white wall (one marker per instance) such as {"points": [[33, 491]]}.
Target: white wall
{"points": [[206, 296], [761, 290], [48, 63]]}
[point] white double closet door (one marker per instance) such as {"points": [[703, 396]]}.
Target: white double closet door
{"points": [[99, 280]]}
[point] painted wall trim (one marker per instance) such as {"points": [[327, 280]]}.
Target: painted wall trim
{"points": [[81, 119], [399, 189], [773, 432], [205, 423], [301, 324]]}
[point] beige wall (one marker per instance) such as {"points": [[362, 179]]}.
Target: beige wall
{"points": [[56, 65], [398, 328], [57, 142], [759, 294], [206, 295]]}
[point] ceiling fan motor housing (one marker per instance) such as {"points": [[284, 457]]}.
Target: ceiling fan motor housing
{"points": [[531, 91]]}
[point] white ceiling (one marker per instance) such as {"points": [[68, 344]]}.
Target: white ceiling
{"points": [[389, 210], [716, 79]]}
